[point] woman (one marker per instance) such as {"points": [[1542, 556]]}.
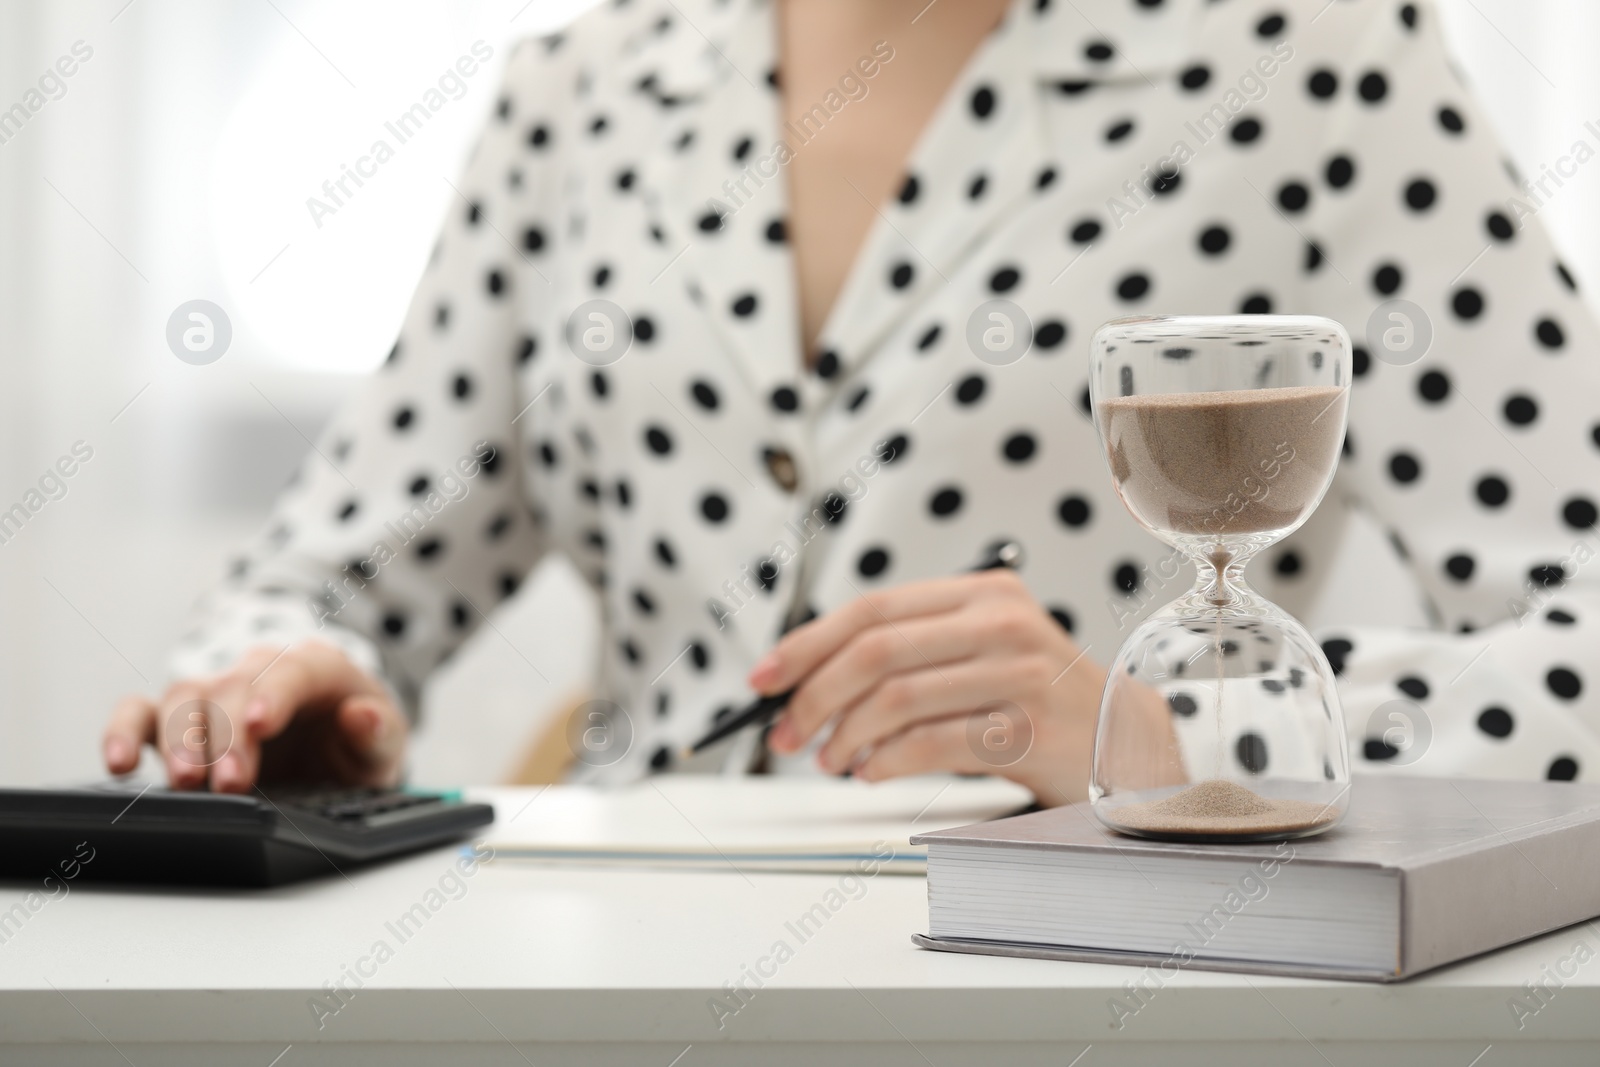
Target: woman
{"points": [[802, 208]]}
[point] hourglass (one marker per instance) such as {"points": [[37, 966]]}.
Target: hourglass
{"points": [[1220, 720]]}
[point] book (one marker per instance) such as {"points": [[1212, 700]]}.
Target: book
{"points": [[1422, 872]]}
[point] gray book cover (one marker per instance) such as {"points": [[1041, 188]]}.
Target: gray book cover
{"points": [[1476, 865]]}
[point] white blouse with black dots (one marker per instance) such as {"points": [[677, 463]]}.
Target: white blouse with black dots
{"points": [[1095, 159]]}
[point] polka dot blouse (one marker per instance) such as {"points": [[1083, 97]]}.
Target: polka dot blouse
{"points": [[1096, 159]]}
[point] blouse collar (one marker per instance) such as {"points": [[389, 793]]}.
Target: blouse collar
{"points": [[713, 78], [1091, 41]]}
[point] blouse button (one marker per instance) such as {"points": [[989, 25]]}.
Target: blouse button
{"points": [[780, 464]]}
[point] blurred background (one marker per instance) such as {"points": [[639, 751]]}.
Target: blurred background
{"points": [[175, 163]]}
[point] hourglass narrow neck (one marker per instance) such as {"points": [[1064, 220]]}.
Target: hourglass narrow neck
{"points": [[1219, 576]]}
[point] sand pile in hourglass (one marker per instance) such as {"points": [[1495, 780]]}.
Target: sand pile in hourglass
{"points": [[1215, 807], [1224, 464]]}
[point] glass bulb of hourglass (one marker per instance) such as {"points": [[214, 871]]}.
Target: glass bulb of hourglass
{"points": [[1220, 719]]}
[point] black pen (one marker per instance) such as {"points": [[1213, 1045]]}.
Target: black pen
{"points": [[763, 710]]}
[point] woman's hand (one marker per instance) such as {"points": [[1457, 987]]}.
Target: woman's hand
{"points": [[305, 713], [902, 673]]}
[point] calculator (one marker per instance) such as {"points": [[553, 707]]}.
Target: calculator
{"points": [[145, 833]]}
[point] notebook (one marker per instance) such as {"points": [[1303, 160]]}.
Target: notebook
{"points": [[711, 823], [1421, 872]]}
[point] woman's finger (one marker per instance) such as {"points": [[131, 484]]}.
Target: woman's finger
{"points": [[232, 756], [183, 733], [902, 700], [202, 735], [132, 726], [309, 676], [937, 745], [869, 657], [986, 625], [277, 686], [802, 650], [373, 735]]}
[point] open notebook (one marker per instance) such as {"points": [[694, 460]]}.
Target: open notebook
{"points": [[697, 821]]}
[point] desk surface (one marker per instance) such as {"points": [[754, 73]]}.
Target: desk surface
{"points": [[570, 964]]}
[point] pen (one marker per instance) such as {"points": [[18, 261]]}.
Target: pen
{"points": [[762, 710]]}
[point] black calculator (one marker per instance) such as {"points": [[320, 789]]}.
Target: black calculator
{"points": [[143, 833]]}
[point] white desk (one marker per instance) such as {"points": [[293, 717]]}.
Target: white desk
{"points": [[620, 967]]}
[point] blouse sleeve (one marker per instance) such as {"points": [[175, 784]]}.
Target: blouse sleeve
{"points": [[1482, 456], [410, 517]]}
